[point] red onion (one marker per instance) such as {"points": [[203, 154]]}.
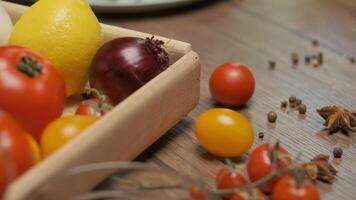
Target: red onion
{"points": [[123, 65]]}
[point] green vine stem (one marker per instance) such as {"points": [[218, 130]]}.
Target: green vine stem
{"points": [[261, 182], [29, 66]]}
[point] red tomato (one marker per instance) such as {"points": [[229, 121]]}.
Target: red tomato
{"points": [[232, 84], [15, 152], [287, 189], [259, 164], [196, 194], [93, 107], [34, 90], [253, 195], [227, 178]]}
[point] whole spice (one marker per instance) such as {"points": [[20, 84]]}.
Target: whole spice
{"points": [[319, 168], [295, 58], [298, 102], [352, 60], [284, 104], [292, 99], [315, 61], [272, 64], [320, 58], [272, 116], [307, 60], [337, 119], [302, 109], [261, 135], [315, 43], [337, 152]]}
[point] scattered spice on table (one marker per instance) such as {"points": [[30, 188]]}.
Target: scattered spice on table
{"points": [[302, 109], [261, 135], [284, 104], [315, 62], [295, 58], [337, 119], [352, 60], [272, 64], [320, 58], [315, 43], [298, 101], [307, 60], [319, 168], [337, 152], [292, 99], [272, 116]]}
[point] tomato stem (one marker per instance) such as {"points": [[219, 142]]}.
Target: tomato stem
{"points": [[29, 66], [261, 182], [100, 106]]}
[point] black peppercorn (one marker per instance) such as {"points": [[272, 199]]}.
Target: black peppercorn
{"points": [[337, 152], [295, 58], [298, 101], [272, 117], [307, 60], [352, 60], [315, 43], [320, 58], [302, 109], [292, 99], [261, 135], [272, 64], [284, 104]]}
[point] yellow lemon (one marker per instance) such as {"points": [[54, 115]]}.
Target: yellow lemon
{"points": [[66, 32]]}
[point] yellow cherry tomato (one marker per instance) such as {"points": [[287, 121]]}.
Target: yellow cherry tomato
{"points": [[36, 152], [63, 130], [224, 132]]}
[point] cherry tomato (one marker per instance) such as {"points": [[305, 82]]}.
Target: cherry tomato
{"points": [[224, 132], [197, 194], [287, 189], [227, 178], [15, 151], [252, 195], [93, 107], [63, 130], [232, 84], [35, 148], [259, 163], [34, 90]]}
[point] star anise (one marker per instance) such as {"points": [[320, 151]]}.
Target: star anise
{"points": [[319, 168], [337, 119]]}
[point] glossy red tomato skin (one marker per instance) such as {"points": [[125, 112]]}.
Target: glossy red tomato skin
{"points": [[15, 151], [259, 164], [196, 194], [33, 101], [287, 189], [232, 84], [227, 178], [247, 196], [84, 109]]}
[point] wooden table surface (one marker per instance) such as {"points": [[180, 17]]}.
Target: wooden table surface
{"points": [[253, 32]]}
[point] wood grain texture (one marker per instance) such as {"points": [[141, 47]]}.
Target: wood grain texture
{"points": [[254, 32]]}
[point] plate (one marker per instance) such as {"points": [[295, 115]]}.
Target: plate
{"points": [[135, 6]]}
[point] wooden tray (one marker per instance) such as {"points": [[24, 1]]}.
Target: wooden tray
{"points": [[123, 133]]}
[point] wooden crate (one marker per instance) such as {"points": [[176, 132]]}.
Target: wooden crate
{"points": [[123, 133]]}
